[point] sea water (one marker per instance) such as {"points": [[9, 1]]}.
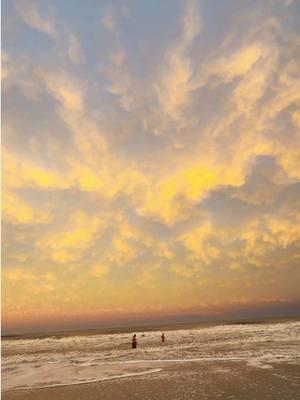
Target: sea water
{"points": [[70, 360]]}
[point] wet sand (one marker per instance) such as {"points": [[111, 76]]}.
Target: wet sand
{"points": [[223, 380]]}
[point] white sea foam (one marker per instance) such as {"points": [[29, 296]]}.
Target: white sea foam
{"points": [[151, 371], [28, 363]]}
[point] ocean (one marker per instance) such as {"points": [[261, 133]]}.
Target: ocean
{"points": [[66, 359]]}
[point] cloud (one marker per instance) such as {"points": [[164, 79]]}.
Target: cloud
{"points": [[196, 240], [238, 63], [31, 15], [109, 18], [16, 210], [21, 172], [65, 90], [69, 244], [98, 271], [157, 165], [173, 89], [74, 50]]}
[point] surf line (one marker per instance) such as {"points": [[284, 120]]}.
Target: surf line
{"points": [[107, 378], [183, 360]]}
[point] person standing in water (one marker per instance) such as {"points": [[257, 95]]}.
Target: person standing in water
{"points": [[163, 337], [134, 341]]}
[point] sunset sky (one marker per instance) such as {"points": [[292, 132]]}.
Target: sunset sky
{"points": [[150, 161]]}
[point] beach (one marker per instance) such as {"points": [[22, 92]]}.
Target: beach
{"points": [[255, 361], [213, 381]]}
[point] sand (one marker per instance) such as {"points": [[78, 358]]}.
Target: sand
{"points": [[224, 380]]}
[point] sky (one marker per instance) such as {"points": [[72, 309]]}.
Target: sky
{"points": [[150, 161]]}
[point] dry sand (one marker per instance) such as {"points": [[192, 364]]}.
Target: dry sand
{"points": [[227, 380]]}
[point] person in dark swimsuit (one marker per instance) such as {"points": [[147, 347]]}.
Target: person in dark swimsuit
{"points": [[163, 337], [134, 341]]}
